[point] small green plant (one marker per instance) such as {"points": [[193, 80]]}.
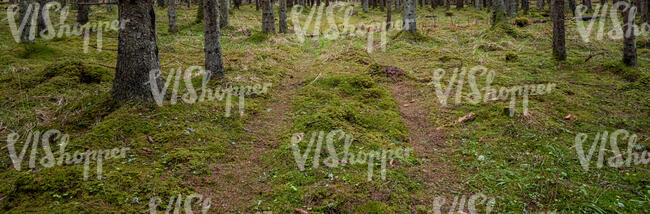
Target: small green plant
{"points": [[522, 21], [510, 56], [258, 37]]}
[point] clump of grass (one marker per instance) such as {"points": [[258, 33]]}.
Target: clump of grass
{"points": [[258, 37], [35, 50], [510, 56], [522, 21], [413, 37], [85, 73]]}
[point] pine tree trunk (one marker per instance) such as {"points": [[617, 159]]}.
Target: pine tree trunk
{"points": [[82, 13], [541, 4], [478, 4], [629, 39], [212, 47], [559, 48], [388, 14], [572, 7], [499, 13], [460, 4], [268, 18], [364, 3], [237, 4], [162, 3], [282, 25], [137, 52], [525, 6], [28, 33], [224, 5], [199, 12], [171, 13], [587, 3], [408, 16]]}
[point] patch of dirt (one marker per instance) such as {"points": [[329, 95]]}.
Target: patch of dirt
{"points": [[235, 186], [427, 142]]}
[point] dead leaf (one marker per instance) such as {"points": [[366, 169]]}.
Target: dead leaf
{"points": [[298, 210], [150, 139], [391, 162], [148, 150], [569, 117], [406, 105], [469, 117]]}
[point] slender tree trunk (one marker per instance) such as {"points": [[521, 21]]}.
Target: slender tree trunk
{"points": [[224, 5], [268, 18], [28, 10], [364, 4], [572, 7], [499, 13], [388, 14], [541, 4], [257, 5], [162, 3], [408, 17], [559, 48], [82, 13], [629, 39], [460, 4], [199, 12], [237, 4], [171, 13], [478, 4], [587, 3], [525, 6], [282, 10], [212, 47], [137, 52]]}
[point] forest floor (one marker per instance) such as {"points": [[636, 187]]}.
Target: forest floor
{"points": [[385, 100]]}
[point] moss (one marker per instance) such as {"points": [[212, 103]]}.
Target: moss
{"points": [[35, 50], [413, 37], [375, 207], [83, 72], [522, 21], [258, 37], [510, 56]]}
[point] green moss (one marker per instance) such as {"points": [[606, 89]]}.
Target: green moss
{"points": [[35, 50], [522, 21], [258, 37]]}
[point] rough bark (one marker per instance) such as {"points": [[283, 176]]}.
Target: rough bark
{"points": [[237, 4], [268, 17], [82, 13], [364, 4], [27, 15], [499, 13], [408, 16], [559, 48], [223, 13], [282, 10], [629, 39], [460, 4], [42, 23], [199, 12], [162, 3], [587, 3], [388, 14], [137, 52], [478, 4], [525, 6], [541, 4], [572, 7], [213, 61], [171, 13]]}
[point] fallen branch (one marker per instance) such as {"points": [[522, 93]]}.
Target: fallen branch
{"points": [[593, 55], [584, 18]]}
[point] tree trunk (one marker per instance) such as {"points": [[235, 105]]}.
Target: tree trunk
{"points": [[199, 12], [525, 6], [268, 18], [460, 4], [408, 17], [559, 49], [282, 25], [212, 47], [257, 5], [572, 7], [499, 13], [162, 3], [629, 39], [587, 3], [42, 23], [28, 15], [82, 13], [137, 52], [478, 4], [541, 4], [388, 14], [237, 4], [171, 13], [364, 3], [224, 5]]}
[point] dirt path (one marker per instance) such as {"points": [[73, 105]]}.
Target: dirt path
{"points": [[427, 142], [237, 185]]}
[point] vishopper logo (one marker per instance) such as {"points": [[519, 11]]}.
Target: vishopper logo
{"points": [[602, 12], [207, 94], [459, 204], [175, 204], [487, 93], [32, 13], [616, 160], [333, 32], [333, 160], [64, 158]]}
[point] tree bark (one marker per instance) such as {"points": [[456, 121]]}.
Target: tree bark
{"points": [[268, 17], [162, 3], [629, 39], [171, 13], [525, 6], [408, 17], [541, 4], [224, 5], [499, 13], [137, 52], [388, 14], [237, 4], [199, 12], [28, 15], [587, 3], [82, 13], [559, 48], [213, 61], [460, 4], [364, 4], [282, 25], [572, 7]]}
